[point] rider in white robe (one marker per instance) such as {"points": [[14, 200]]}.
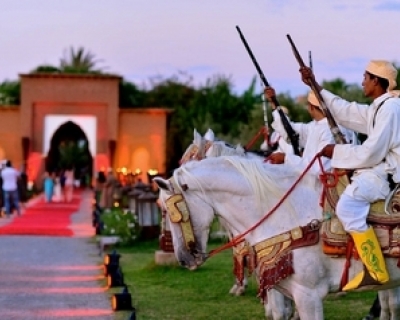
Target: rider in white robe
{"points": [[313, 137], [377, 157]]}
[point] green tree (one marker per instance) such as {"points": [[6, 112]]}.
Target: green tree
{"points": [[10, 92], [46, 69], [79, 61], [350, 92], [130, 96], [73, 154]]}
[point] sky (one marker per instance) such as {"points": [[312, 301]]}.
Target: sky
{"points": [[143, 39]]}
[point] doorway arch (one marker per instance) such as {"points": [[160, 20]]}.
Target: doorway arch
{"points": [[70, 148]]}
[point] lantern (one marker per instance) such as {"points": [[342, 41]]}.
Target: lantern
{"points": [[116, 278], [111, 264], [137, 190], [148, 214], [123, 301]]}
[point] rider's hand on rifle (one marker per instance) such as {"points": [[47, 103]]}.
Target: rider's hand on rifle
{"points": [[327, 151], [276, 158], [269, 93], [307, 76]]}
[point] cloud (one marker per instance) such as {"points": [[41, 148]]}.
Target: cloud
{"points": [[387, 6]]}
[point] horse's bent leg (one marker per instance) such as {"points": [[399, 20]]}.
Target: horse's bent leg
{"points": [[239, 287], [240, 275], [233, 289]]}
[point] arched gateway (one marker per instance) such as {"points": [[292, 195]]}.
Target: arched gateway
{"points": [[83, 108]]}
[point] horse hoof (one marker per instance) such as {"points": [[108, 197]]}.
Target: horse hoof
{"points": [[233, 289], [239, 291]]}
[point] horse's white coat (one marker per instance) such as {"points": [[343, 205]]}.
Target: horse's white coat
{"points": [[278, 307], [216, 185]]}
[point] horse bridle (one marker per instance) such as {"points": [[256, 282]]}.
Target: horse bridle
{"points": [[178, 212]]}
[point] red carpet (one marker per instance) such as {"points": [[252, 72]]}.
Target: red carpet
{"points": [[45, 219]]}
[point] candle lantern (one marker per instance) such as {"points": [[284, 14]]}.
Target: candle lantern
{"points": [[148, 214], [137, 190]]}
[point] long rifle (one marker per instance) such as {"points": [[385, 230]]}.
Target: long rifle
{"points": [[337, 135], [292, 135]]}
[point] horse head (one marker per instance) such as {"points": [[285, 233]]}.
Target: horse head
{"points": [[189, 232]]}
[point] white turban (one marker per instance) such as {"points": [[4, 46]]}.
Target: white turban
{"points": [[313, 99], [383, 69]]}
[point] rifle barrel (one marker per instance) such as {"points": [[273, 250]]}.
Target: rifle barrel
{"points": [[292, 135], [338, 136]]}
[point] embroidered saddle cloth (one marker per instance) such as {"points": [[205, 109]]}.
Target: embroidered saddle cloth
{"points": [[384, 217]]}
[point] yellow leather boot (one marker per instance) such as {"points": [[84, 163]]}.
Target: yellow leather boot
{"points": [[371, 255]]}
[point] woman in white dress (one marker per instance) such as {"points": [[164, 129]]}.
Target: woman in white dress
{"points": [[69, 184], [57, 195]]}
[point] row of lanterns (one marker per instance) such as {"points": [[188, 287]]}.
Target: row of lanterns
{"points": [[115, 278]]}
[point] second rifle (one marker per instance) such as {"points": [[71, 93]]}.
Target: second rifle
{"points": [[292, 135]]}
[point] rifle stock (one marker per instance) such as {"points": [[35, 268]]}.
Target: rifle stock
{"points": [[292, 135], [337, 135]]}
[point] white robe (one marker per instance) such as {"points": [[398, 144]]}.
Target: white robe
{"points": [[377, 157], [380, 152], [57, 195], [313, 136]]}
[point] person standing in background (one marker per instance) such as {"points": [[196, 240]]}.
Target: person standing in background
{"points": [[69, 184], [23, 187], [10, 177], [48, 185], [106, 199]]}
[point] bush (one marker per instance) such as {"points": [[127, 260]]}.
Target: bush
{"points": [[121, 223]]}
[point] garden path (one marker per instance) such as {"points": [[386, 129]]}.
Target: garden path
{"points": [[53, 277]]}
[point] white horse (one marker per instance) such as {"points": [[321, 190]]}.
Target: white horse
{"points": [[278, 306], [206, 147], [241, 192]]}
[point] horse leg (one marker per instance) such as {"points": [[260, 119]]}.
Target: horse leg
{"points": [[239, 287], [278, 307], [390, 304], [309, 303], [239, 264], [375, 310]]}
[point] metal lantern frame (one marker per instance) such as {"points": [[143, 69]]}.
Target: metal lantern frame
{"points": [[148, 214], [138, 188], [148, 209]]}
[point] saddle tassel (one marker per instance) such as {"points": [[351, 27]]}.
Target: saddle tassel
{"points": [[345, 275]]}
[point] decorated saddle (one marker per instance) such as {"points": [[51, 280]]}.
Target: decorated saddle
{"points": [[384, 217]]}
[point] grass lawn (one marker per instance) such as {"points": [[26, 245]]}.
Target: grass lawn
{"points": [[172, 292]]}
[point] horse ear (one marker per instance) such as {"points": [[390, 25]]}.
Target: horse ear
{"points": [[197, 138], [210, 136], [239, 148], [163, 183]]}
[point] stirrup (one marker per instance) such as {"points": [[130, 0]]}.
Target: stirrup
{"points": [[389, 198]]}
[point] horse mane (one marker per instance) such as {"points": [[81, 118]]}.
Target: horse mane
{"points": [[221, 148], [268, 182]]}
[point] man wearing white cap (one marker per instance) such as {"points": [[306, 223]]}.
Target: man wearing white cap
{"points": [[313, 137], [373, 161]]}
